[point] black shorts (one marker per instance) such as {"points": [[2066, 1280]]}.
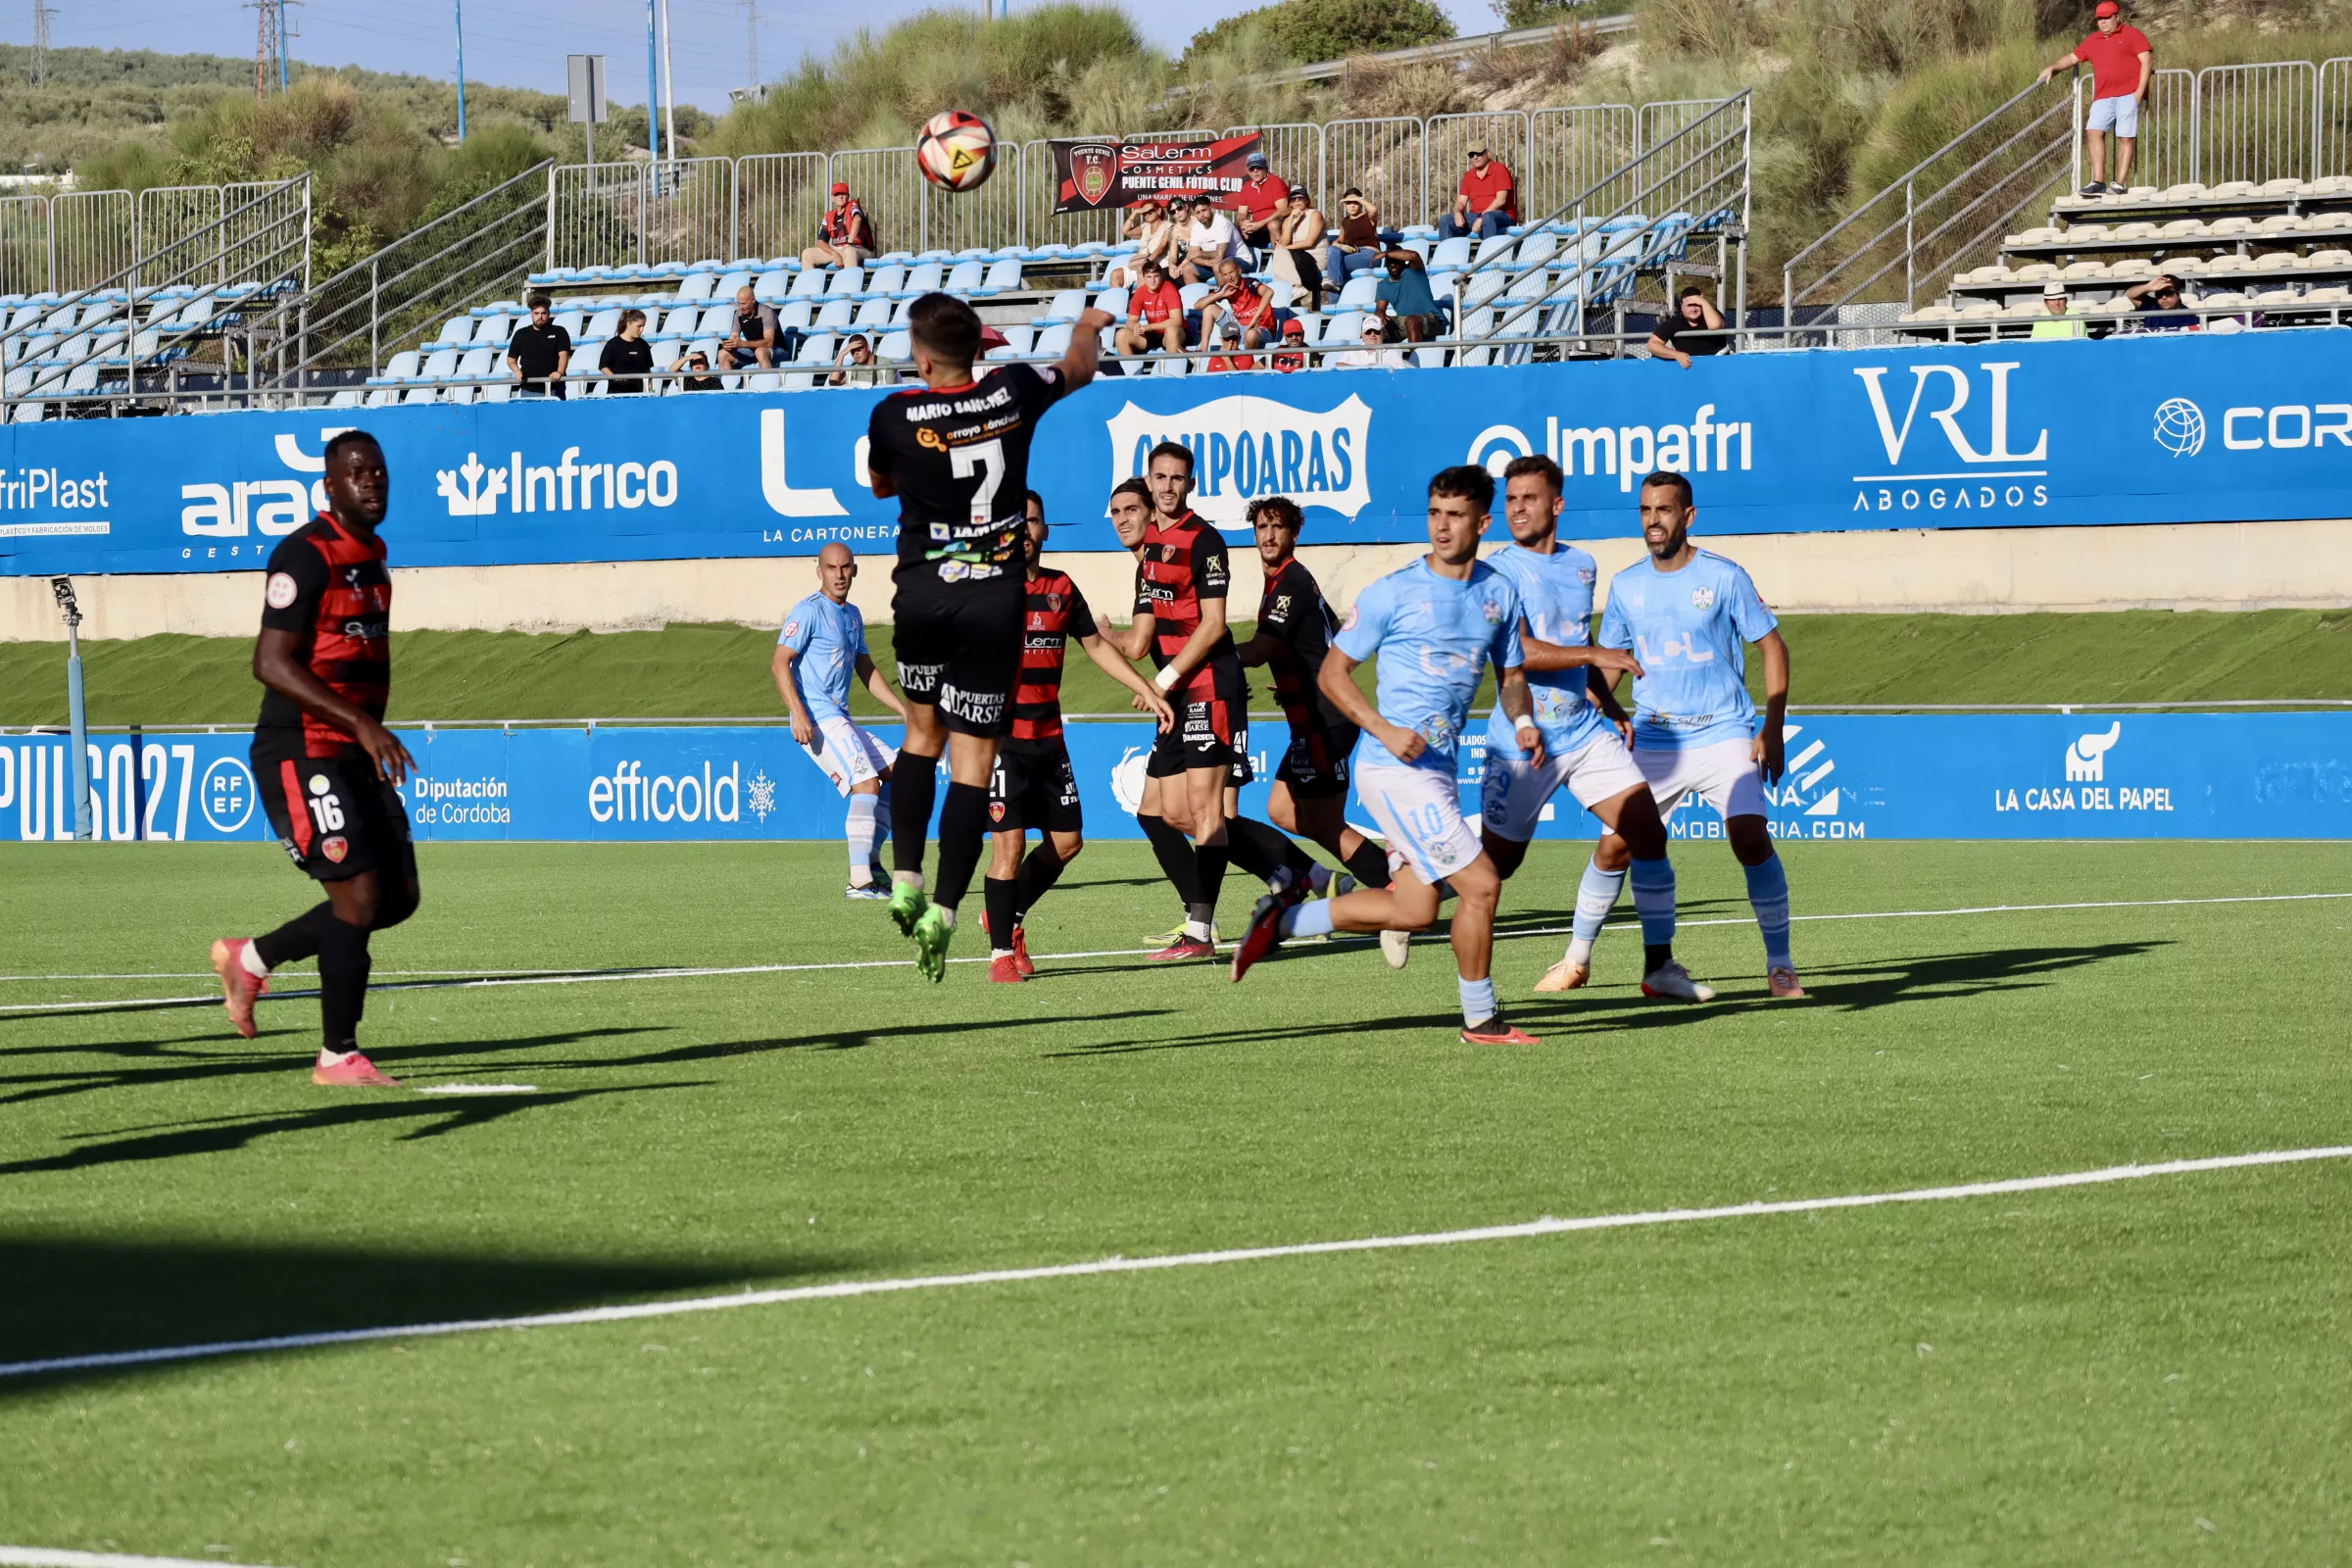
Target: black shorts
{"points": [[958, 645], [1315, 767], [1208, 732], [333, 816], [1032, 789]]}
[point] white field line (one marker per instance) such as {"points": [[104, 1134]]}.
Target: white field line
{"points": [[1546, 1226], [51, 1558], [581, 977], [474, 1089]]}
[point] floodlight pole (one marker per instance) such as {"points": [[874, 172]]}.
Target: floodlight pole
{"points": [[457, 9], [76, 718]]}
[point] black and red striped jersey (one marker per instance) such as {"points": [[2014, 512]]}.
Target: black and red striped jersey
{"points": [[1182, 564], [1294, 614], [1054, 611], [330, 588]]}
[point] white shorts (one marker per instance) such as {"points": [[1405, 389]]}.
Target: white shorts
{"points": [[848, 754], [1724, 775], [1420, 814], [2120, 114], [1513, 795]]}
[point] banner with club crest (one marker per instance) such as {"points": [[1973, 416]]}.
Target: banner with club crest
{"points": [[1092, 174]]}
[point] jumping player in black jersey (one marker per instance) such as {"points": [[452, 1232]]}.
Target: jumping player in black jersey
{"points": [[955, 452], [1295, 628], [1034, 786], [328, 768]]}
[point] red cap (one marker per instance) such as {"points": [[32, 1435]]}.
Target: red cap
{"points": [[991, 338], [2105, 9], [841, 191]]}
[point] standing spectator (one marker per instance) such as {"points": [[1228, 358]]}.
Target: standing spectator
{"points": [[1297, 231], [1406, 308], [1293, 347], [627, 357], [539, 352], [2055, 322], [754, 340], [855, 365], [2122, 63], [1373, 353], [1693, 331], [1156, 239], [844, 236], [1486, 203], [2157, 305], [1248, 304], [697, 377], [1155, 310], [1260, 199], [1210, 240], [1229, 335], [1355, 245]]}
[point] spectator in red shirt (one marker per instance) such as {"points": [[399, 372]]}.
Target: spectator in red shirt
{"points": [[1230, 337], [1155, 310], [1486, 203], [2122, 63], [1260, 197], [1248, 303], [844, 236]]}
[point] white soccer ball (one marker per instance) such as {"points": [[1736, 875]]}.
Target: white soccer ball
{"points": [[957, 151]]}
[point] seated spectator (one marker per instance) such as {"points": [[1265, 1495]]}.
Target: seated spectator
{"points": [[1245, 301], [1156, 239], [854, 364], [697, 377], [1229, 336], [539, 352], [1293, 347], [1373, 353], [2157, 306], [1257, 203], [1154, 310], [1297, 231], [1355, 245], [628, 356], [1406, 308], [844, 236], [755, 335], [2056, 324], [1486, 202], [1693, 331], [1208, 240]]}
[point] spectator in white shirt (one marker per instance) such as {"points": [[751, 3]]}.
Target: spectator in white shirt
{"points": [[1210, 240], [1374, 354]]}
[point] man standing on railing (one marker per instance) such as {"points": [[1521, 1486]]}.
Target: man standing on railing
{"points": [[2122, 63], [1486, 203]]}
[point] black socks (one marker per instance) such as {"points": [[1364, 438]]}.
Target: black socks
{"points": [[1369, 865], [1038, 873], [1208, 864], [342, 982], [1003, 911], [1261, 850], [296, 940], [914, 785], [962, 832], [1175, 854]]}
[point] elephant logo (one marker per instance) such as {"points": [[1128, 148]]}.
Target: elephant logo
{"points": [[2086, 758]]}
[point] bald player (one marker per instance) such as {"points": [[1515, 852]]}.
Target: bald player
{"points": [[821, 647]]}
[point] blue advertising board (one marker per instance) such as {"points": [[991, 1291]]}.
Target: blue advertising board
{"points": [[1850, 777], [2159, 428]]}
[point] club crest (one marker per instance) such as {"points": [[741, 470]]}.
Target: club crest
{"points": [[1093, 170], [1702, 598]]}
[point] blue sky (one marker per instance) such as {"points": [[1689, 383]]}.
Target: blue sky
{"points": [[520, 43]]}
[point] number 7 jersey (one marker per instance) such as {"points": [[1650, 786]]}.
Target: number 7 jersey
{"points": [[961, 459]]}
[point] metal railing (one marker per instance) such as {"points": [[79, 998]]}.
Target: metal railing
{"points": [[66, 242]]}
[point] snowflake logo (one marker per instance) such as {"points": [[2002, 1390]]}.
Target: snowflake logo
{"points": [[761, 792]]}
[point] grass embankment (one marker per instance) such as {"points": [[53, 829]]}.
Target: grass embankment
{"points": [[719, 672]]}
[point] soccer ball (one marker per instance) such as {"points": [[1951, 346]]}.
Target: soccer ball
{"points": [[957, 150]]}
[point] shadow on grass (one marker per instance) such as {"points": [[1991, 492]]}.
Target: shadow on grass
{"points": [[92, 1295], [850, 1037]]}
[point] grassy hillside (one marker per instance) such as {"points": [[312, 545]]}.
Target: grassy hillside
{"points": [[722, 672]]}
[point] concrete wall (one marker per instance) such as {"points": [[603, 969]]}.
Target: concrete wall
{"points": [[2246, 566]]}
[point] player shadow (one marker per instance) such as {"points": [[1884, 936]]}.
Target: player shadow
{"points": [[96, 1295], [1264, 1035], [856, 1037], [221, 1135], [183, 1066]]}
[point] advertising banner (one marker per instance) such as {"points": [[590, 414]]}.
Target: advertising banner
{"points": [[1094, 172], [1849, 777], [2184, 428]]}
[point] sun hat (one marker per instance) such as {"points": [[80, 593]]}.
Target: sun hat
{"points": [[2053, 290]]}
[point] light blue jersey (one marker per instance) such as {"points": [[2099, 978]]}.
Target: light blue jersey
{"points": [[1556, 600], [1690, 629], [1434, 637], [825, 638]]}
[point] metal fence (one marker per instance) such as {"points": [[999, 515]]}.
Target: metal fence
{"points": [[777, 197], [2257, 123], [24, 244], [1578, 149], [68, 242], [1387, 160], [92, 234]]}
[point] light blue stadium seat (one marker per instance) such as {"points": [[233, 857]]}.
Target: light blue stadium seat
{"points": [[1536, 249], [848, 284], [1065, 306], [574, 323], [1493, 246], [1169, 365], [1485, 286], [1533, 285], [771, 286], [402, 366], [421, 394], [455, 333], [1017, 340], [808, 283], [886, 282], [1430, 357], [477, 363], [764, 381], [1112, 300], [439, 366], [896, 259], [1343, 330], [820, 349], [836, 314], [348, 398], [1194, 293], [22, 317], [1359, 293], [895, 347], [383, 397], [924, 277], [729, 283], [1454, 252], [1004, 275], [496, 392], [696, 286], [1052, 343], [797, 314], [941, 257], [873, 314], [966, 276], [603, 323]]}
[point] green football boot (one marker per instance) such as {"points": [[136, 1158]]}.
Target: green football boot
{"points": [[907, 906], [931, 934]]}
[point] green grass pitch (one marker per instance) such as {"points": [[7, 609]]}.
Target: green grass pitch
{"points": [[2151, 1371]]}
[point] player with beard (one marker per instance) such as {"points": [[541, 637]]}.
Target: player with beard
{"points": [[328, 770], [955, 452], [1034, 786]]}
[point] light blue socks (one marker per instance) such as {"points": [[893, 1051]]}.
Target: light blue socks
{"points": [[1596, 897], [1306, 920], [1478, 1000], [1654, 900], [1768, 896]]}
